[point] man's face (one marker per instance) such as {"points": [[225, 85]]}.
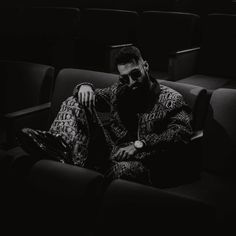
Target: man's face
{"points": [[135, 86], [134, 75]]}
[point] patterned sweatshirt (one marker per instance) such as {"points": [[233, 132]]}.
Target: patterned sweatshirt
{"points": [[166, 120]]}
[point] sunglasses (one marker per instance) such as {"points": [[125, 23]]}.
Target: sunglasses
{"points": [[134, 74]]}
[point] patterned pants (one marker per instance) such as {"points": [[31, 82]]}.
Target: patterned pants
{"points": [[77, 127]]}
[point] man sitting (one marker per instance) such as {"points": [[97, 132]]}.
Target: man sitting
{"points": [[145, 118]]}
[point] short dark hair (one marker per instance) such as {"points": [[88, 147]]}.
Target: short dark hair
{"points": [[128, 54]]}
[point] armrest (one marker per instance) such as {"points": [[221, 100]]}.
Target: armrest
{"points": [[65, 190], [28, 111], [110, 55], [65, 180], [197, 135], [33, 117], [195, 145], [183, 63]]}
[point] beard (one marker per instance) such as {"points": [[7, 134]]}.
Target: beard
{"points": [[133, 99], [130, 102]]}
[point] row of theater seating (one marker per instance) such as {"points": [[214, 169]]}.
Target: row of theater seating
{"points": [[194, 191], [70, 37], [28, 85], [195, 6]]}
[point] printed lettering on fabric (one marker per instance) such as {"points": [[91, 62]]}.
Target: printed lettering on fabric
{"points": [[71, 124], [166, 121], [170, 98]]}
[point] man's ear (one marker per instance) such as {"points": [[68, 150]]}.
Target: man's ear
{"points": [[146, 66]]}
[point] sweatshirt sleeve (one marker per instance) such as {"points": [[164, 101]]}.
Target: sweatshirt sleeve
{"points": [[103, 96], [177, 127]]}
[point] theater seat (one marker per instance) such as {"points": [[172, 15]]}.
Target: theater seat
{"points": [[48, 196], [58, 195], [42, 116], [211, 65], [216, 186], [23, 85], [44, 35], [101, 32], [144, 210], [67, 79], [219, 152], [63, 195], [163, 32]]}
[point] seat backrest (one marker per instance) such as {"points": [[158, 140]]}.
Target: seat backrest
{"points": [[220, 133], [162, 32], [24, 84], [46, 35], [50, 22], [67, 79], [218, 46], [9, 30], [196, 97], [108, 26]]}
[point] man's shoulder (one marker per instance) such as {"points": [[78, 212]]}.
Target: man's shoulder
{"points": [[170, 98]]}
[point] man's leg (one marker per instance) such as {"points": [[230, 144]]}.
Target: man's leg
{"points": [[67, 138], [130, 170], [72, 125]]}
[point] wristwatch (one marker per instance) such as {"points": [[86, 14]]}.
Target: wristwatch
{"points": [[138, 144]]}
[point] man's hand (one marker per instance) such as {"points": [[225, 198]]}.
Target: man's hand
{"points": [[86, 96], [125, 153]]}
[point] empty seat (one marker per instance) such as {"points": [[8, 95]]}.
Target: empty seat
{"points": [[49, 193], [64, 194], [210, 66], [160, 33], [216, 186], [23, 85], [46, 35], [100, 29], [9, 29], [145, 210]]}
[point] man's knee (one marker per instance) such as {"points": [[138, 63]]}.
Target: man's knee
{"points": [[127, 169]]}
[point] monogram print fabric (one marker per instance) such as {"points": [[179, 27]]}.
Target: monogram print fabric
{"points": [[168, 120]]}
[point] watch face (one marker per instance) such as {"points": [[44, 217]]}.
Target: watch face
{"points": [[138, 144]]}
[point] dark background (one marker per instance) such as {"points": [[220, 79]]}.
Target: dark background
{"points": [[196, 6]]}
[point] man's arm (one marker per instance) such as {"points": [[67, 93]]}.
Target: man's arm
{"points": [[178, 129], [89, 97]]}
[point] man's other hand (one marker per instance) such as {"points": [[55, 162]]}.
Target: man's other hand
{"points": [[86, 96], [125, 153]]}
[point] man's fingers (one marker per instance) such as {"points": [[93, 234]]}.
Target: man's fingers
{"points": [[93, 99], [80, 98], [87, 99], [118, 155], [123, 154]]}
